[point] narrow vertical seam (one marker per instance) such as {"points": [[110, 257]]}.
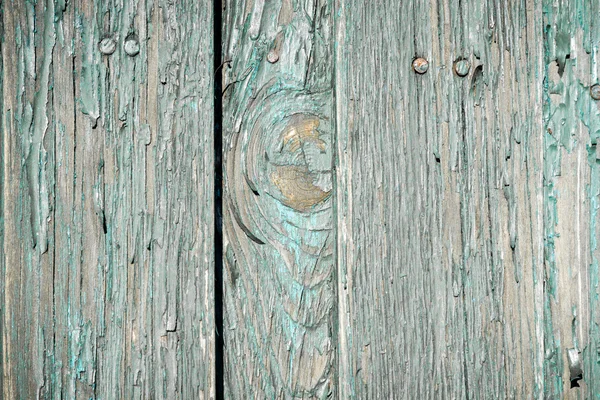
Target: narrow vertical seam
{"points": [[218, 201]]}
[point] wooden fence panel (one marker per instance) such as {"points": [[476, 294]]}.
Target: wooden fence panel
{"points": [[408, 193], [107, 199], [571, 312], [279, 293], [439, 197]]}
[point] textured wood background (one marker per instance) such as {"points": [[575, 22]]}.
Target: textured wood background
{"points": [[385, 234], [279, 327], [440, 201], [107, 200]]}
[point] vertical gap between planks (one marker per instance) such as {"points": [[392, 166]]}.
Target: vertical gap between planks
{"points": [[218, 199]]}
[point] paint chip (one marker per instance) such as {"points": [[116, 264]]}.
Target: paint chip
{"points": [[575, 370]]}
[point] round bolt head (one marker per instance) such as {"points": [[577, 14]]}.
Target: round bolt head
{"points": [[132, 45], [420, 65], [462, 67], [595, 92], [272, 57], [107, 46]]}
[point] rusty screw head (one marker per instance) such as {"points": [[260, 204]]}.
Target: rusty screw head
{"points": [[107, 46], [595, 92], [420, 65], [462, 67]]}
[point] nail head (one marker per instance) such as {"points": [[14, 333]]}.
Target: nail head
{"points": [[420, 65], [132, 45], [595, 92], [107, 46], [272, 57], [462, 67]]}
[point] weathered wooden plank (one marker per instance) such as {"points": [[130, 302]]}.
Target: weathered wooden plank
{"points": [[571, 194], [439, 199], [279, 325], [465, 199], [107, 200], [27, 198]]}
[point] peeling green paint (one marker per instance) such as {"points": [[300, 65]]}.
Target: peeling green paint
{"points": [[278, 136], [572, 121], [107, 200], [386, 233]]}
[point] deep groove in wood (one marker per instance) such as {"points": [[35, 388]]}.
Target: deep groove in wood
{"points": [[218, 198]]}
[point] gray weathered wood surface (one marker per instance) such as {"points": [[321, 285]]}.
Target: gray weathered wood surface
{"points": [[571, 313], [467, 206], [107, 200], [440, 201], [386, 234], [279, 290]]}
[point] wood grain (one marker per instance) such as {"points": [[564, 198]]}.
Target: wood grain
{"points": [[387, 234], [278, 240], [571, 195], [107, 200], [440, 228]]}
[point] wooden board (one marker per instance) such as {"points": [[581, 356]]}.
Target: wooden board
{"points": [[107, 200], [467, 216], [440, 201], [385, 233], [571, 196], [279, 292]]}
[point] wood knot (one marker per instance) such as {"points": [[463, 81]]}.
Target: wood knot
{"points": [[279, 172], [304, 176]]}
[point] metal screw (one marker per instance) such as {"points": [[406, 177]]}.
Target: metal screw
{"points": [[595, 92], [420, 65], [132, 45], [107, 46], [462, 67]]}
